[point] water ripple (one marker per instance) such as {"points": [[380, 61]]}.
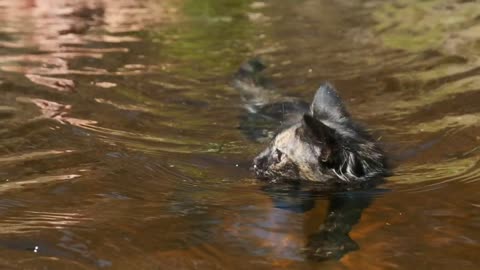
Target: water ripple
{"points": [[31, 221]]}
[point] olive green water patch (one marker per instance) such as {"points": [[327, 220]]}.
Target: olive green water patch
{"points": [[444, 37], [411, 105], [448, 25], [462, 169], [213, 36], [457, 122], [444, 34]]}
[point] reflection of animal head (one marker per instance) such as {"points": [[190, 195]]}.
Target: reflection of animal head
{"points": [[326, 144]]}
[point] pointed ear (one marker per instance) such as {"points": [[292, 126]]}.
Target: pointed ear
{"points": [[321, 134], [327, 105]]}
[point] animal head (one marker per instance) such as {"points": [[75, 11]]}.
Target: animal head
{"points": [[326, 144]]}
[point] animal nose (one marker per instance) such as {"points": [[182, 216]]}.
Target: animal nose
{"points": [[259, 163]]}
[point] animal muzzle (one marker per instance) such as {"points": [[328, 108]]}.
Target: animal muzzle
{"points": [[260, 166]]}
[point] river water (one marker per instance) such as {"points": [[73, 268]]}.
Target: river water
{"points": [[121, 144]]}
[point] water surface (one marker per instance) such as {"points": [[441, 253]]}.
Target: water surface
{"points": [[121, 146]]}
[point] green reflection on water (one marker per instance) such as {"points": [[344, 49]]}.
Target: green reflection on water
{"points": [[445, 32], [208, 41], [213, 38], [414, 25]]}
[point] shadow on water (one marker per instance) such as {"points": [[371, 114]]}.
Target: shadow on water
{"points": [[331, 240]]}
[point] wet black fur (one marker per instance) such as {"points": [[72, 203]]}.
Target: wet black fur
{"points": [[340, 151]]}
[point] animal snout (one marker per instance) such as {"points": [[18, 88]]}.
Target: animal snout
{"points": [[259, 164]]}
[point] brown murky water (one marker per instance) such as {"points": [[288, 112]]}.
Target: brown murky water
{"points": [[120, 144]]}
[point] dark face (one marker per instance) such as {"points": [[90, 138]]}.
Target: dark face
{"points": [[294, 154]]}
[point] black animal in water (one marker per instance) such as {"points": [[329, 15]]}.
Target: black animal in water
{"points": [[319, 151], [318, 142]]}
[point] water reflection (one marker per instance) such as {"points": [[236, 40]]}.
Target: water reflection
{"points": [[62, 31], [329, 239], [56, 111]]}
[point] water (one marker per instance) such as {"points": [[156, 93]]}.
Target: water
{"points": [[120, 144]]}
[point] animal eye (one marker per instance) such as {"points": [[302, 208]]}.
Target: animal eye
{"points": [[278, 155]]}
